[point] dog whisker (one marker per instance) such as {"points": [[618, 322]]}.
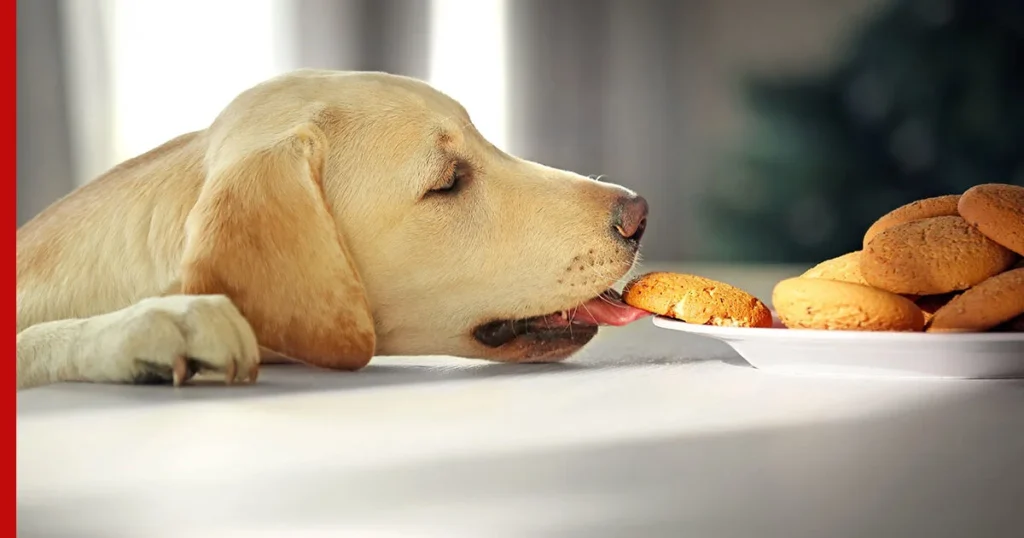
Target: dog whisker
{"points": [[588, 310], [606, 275]]}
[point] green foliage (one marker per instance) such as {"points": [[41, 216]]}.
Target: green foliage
{"points": [[929, 100]]}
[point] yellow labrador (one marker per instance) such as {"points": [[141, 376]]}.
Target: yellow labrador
{"points": [[324, 217]]}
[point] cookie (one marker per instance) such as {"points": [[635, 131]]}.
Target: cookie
{"points": [[985, 306], [932, 256], [816, 303], [939, 206], [845, 268], [996, 210], [695, 299]]}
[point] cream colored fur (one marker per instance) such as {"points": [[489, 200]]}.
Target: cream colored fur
{"points": [[299, 220]]}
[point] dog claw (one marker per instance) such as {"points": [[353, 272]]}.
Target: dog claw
{"points": [[179, 371], [229, 375]]}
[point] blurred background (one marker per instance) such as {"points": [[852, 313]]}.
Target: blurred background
{"points": [[760, 131]]}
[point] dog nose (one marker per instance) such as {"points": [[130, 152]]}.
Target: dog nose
{"points": [[629, 218]]}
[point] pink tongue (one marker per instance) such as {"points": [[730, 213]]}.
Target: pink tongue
{"points": [[605, 310]]}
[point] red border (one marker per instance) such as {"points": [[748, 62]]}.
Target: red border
{"points": [[10, 185]]}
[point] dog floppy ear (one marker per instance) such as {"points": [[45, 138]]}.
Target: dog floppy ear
{"points": [[261, 234]]}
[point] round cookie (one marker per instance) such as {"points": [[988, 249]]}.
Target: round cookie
{"points": [[996, 210], [931, 257], [845, 268], [695, 299], [815, 303], [939, 206], [985, 306]]}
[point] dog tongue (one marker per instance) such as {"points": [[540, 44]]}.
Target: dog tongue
{"points": [[608, 309]]}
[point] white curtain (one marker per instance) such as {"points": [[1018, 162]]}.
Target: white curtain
{"points": [[87, 26], [141, 72]]}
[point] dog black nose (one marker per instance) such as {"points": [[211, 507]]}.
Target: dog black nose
{"points": [[629, 218]]}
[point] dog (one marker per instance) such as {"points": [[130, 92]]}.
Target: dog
{"points": [[324, 217]]}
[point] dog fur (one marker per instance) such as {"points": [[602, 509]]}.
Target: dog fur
{"points": [[309, 221]]}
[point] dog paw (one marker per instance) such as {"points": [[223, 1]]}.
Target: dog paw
{"points": [[171, 339]]}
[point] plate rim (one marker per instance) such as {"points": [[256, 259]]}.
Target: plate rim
{"points": [[775, 333]]}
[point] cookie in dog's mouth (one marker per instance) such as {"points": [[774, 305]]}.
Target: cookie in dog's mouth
{"points": [[576, 325]]}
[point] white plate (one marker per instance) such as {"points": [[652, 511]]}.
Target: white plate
{"points": [[869, 354]]}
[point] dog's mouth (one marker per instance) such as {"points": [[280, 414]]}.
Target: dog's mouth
{"points": [[576, 325]]}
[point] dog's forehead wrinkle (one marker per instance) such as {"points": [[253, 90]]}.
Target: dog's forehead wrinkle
{"points": [[447, 139], [453, 123]]}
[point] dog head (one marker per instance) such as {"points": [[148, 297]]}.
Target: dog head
{"points": [[376, 218]]}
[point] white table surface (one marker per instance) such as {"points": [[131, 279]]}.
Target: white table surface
{"points": [[647, 433]]}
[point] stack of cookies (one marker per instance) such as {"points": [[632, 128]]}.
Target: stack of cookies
{"points": [[945, 264]]}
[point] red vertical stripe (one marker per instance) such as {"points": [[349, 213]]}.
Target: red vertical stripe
{"points": [[10, 182]]}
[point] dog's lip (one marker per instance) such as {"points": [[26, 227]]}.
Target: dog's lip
{"points": [[576, 324]]}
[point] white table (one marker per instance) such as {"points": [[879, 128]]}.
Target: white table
{"points": [[648, 433]]}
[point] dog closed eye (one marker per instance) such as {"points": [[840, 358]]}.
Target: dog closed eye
{"points": [[454, 176]]}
